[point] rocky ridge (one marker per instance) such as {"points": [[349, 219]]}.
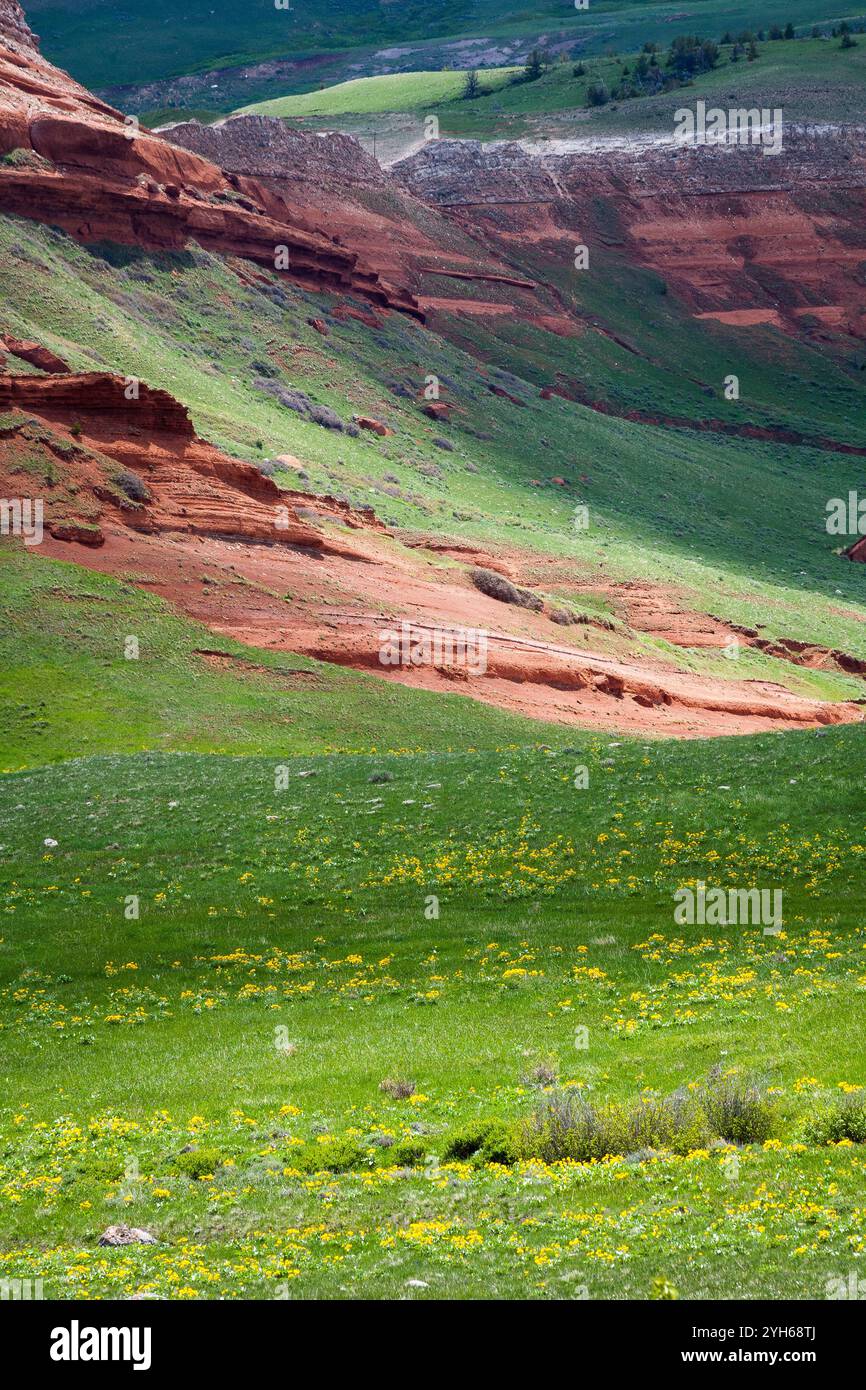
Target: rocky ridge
{"points": [[74, 162]]}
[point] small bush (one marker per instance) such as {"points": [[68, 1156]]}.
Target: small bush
{"points": [[134, 487], [333, 1156], [544, 1072], [497, 586], [483, 1141], [398, 1088], [406, 1153], [500, 1145], [737, 1109], [466, 1141], [291, 398], [21, 158], [833, 1124], [198, 1163], [325, 416]]}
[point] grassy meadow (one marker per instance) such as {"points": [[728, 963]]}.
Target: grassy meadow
{"points": [[366, 95], [209, 966]]}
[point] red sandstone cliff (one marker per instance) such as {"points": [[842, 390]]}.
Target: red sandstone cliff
{"points": [[81, 165], [95, 428], [14, 28], [332, 181], [738, 235]]}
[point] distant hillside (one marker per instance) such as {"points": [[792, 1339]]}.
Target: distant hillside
{"points": [[222, 55], [812, 80]]}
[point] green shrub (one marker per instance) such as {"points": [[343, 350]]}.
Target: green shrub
{"points": [[737, 1109], [333, 1156], [500, 1145], [198, 1163], [846, 1119], [406, 1153], [484, 1141]]}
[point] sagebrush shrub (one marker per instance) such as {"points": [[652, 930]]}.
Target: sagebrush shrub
{"points": [[845, 1120], [497, 586], [135, 488], [398, 1087], [737, 1109], [568, 1126]]}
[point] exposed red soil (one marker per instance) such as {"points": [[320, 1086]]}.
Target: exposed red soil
{"points": [[213, 518], [99, 177], [34, 353], [525, 675], [740, 238], [744, 318], [652, 609], [464, 306]]}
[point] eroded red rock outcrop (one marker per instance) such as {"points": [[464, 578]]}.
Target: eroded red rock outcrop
{"points": [[332, 181], [34, 353], [80, 165], [740, 236], [108, 426]]}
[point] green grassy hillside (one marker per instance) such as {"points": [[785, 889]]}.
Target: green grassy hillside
{"points": [[809, 79], [366, 95], [148, 46], [68, 689], [737, 524]]}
